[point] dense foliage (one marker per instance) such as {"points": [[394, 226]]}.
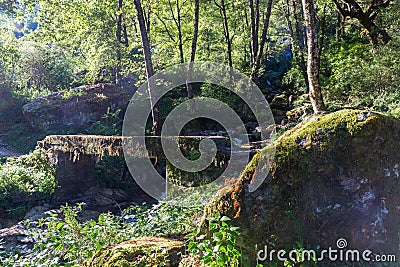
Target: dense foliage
{"points": [[24, 176], [62, 240]]}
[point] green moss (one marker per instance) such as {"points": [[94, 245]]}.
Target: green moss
{"points": [[329, 160], [146, 251], [324, 135]]}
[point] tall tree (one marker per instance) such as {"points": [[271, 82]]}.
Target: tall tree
{"points": [[313, 57], [189, 86], [260, 49], [228, 39], [96, 32], [178, 22], [149, 65], [254, 9], [176, 14], [122, 37]]}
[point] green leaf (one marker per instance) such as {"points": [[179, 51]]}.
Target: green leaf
{"points": [[224, 219]]}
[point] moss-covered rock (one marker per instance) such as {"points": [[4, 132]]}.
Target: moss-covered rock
{"points": [[145, 251], [334, 176]]}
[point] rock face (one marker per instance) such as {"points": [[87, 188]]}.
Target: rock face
{"points": [[77, 109], [74, 177], [145, 251], [334, 176]]}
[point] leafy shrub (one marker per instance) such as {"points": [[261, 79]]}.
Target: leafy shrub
{"points": [[111, 124], [9, 55], [163, 218], [364, 78], [217, 248], [26, 175], [42, 69], [293, 80], [61, 240]]}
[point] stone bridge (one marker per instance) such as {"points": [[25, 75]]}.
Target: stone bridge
{"points": [[76, 156]]}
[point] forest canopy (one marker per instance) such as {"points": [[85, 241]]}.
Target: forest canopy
{"points": [[349, 46]]}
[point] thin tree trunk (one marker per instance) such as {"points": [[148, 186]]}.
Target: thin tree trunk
{"points": [[149, 65], [189, 86], [253, 31], [122, 38], [257, 63], [322, 33], [147, 20], [228, 40], [178, 22], [313, 57], [227, 34], [338, 30], [180, 38], [300, 41]]}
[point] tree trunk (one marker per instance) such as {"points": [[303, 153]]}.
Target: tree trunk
{"points": [[322, 32], [299, 40], [339, 27], [178, 20], [228, 41], [180, 38], [313, 60], [260, 50], [122, 38], [376, 35], [227, 34], [149, 65], [354, 9], [253, 32], [189, 86]]}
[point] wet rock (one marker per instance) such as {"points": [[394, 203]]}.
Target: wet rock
{"points": [[15, 239], [87, 215], [37, 213], [334, 176]]}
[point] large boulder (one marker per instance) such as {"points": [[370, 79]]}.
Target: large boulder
{"points": [[77, 109], [335, 176], [145, 251]]}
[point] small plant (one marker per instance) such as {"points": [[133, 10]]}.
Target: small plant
{"points": [[218, 247]]}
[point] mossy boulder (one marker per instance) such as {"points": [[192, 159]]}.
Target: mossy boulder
{"points": [[145, 251], [334, 176]]}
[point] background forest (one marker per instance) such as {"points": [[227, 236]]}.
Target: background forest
{"points": [[49, 46]]}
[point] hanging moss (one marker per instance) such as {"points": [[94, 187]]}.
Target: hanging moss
{"points": [[84, 144]]}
